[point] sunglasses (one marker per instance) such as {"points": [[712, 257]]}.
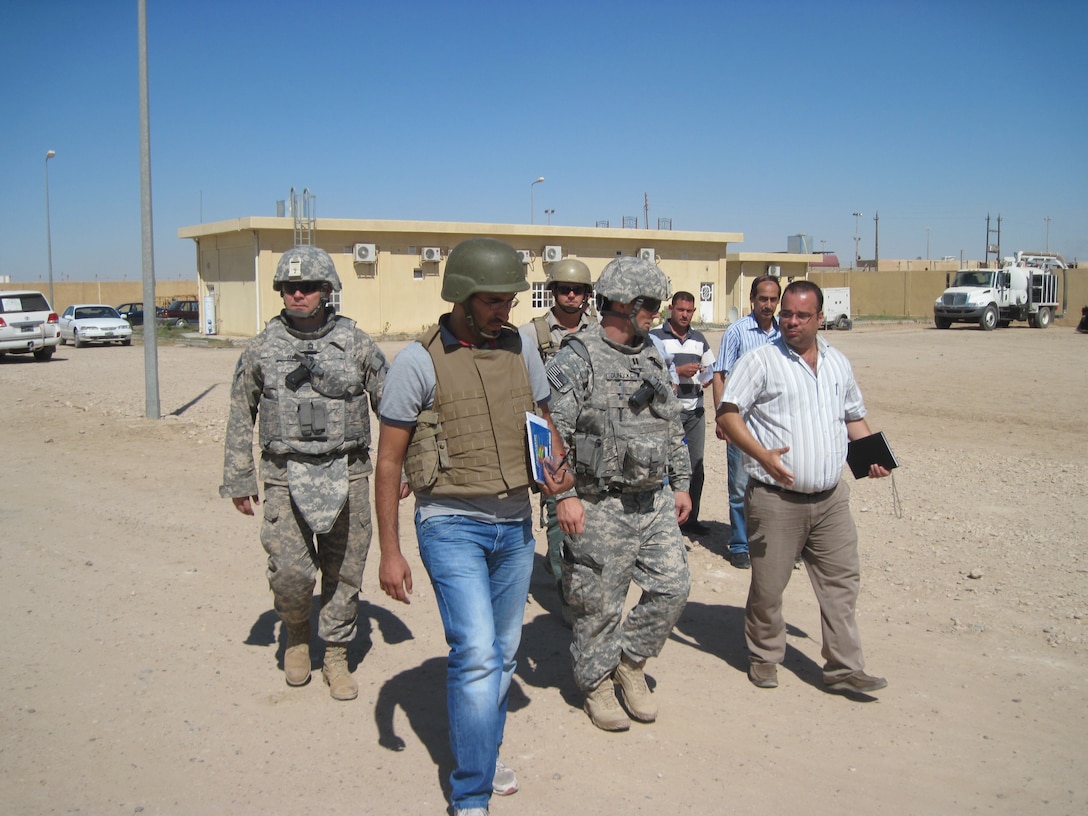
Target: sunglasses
{"points": [[570, 290], [306, 287]]}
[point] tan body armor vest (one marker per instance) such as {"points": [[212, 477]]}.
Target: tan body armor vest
{"points": [[472, 441]]}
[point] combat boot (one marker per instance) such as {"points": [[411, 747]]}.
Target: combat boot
{"points": [[604, 709], [296, 660], [342, 685], [637, 697]]}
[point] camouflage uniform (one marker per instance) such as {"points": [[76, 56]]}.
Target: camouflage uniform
{"points": [[315, 462], [622, 455]]}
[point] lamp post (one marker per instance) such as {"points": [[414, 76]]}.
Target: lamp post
{"points": [[857, 239], [48, 232], [532, 206], [549, 214], [1047, 219]]}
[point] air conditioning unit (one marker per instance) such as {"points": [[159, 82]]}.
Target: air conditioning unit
{"points": [[553, 254], [431, 254], [526, 256], [774, 270], [648, 254], [365, 253]]}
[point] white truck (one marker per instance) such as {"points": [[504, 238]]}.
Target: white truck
{"points": [[837, 307], [1022, 289]]}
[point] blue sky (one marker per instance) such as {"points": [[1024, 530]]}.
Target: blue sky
{"points": [[768, 119]]}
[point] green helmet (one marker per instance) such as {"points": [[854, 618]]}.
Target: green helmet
{"points": [[305, 263], [569, 270], [627, 279], [482, 265]]}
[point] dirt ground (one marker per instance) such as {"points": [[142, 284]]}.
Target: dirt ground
{"points": [[144, 661]]}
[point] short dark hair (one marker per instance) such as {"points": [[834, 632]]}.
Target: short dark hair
{"points": [[763, 279], [683, 296], [801, 286]]}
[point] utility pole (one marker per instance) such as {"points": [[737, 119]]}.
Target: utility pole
{"points": [[876, 242], [857, 238]]}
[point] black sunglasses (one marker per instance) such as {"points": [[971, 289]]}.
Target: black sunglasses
{"points": [[567, 289], [306, 287]]}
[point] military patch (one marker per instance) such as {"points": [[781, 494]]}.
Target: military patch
{"points": [[557, 379]]}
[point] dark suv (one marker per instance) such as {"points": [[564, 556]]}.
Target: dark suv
{"points": [[180, 313]]}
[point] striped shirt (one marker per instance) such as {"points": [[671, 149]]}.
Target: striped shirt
{"points": [[740, 338], [785, 404], [692, 349]]}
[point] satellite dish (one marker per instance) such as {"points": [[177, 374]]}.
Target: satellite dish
{"points": [[734, 314]]}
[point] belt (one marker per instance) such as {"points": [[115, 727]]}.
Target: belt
{"points": [[819, 495]]}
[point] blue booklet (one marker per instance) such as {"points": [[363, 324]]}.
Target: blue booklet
{"points": [[539, 435]]}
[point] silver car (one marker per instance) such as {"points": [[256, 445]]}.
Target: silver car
{"points": [[94, 323], [28, 325]]}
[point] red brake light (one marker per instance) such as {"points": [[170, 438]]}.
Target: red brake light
{"points": [[53, 318], [3, 325]]}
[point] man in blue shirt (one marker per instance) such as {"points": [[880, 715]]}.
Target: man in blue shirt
{"points": [[753, 331]]}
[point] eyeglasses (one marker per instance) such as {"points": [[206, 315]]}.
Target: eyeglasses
{"points": [[306, 287], [499, 305], [650, 304], [567, 289], [803, 317]]}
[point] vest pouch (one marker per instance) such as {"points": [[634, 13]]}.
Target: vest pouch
{"points": [[421, 462], [587, 455], [643, 462]]}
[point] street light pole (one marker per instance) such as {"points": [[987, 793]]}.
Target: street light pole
{"points": [[48, 231], [1047, 219], [549, 214], [532, 205], [857, 238]]}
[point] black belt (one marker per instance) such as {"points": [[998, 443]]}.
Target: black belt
{"points": [[819, 495]]}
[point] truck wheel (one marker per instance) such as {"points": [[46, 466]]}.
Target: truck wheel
{"points": [[989, 318], [44, 354], [1042, 317], [942, 322], [843, 322]]}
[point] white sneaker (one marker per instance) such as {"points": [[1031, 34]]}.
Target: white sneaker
{"points": [[506, 781], [470, 812]]}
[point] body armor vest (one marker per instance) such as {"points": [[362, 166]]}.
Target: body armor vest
{"points": [[472, 442], [619, 446], [313, 400]]}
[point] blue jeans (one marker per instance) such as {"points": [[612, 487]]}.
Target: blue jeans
{"points": [[480, 573], [738, 482]]}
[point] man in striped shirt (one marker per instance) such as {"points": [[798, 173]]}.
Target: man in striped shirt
{"points": [[791, 407], [757, 329]]}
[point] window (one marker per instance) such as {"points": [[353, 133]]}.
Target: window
{"points": [[334, 301], [542, 297], [417, 273]]}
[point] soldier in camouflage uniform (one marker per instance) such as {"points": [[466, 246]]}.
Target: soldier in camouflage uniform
{"points": [[308, 375], [612, 403], [571, 285]]}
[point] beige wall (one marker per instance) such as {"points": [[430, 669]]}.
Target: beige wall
{"points": [[237, 261], [113, 293]]}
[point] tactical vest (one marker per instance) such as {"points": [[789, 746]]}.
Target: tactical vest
{"points": [[544, 341], [618, 447], [472, 441], [327, 412]]}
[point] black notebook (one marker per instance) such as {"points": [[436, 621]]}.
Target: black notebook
{"points": [[870, 450]]}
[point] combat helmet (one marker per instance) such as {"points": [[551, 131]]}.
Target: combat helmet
{"points": [[305, 263], [569, 270], [482, 265], [630, 280]]}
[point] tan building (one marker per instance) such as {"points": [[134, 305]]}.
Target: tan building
{"points": [[392, 270]]}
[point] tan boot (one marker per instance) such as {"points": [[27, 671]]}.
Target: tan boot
{"points": [[604, 709], [296, 660], [342, 685], [637, 697]]}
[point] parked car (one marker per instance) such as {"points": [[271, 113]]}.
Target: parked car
{"points": [[180, 313], [28, 325], [132, 312], [94, 323]]}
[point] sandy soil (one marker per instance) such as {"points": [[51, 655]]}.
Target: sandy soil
{"points": [[143, 659]]}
